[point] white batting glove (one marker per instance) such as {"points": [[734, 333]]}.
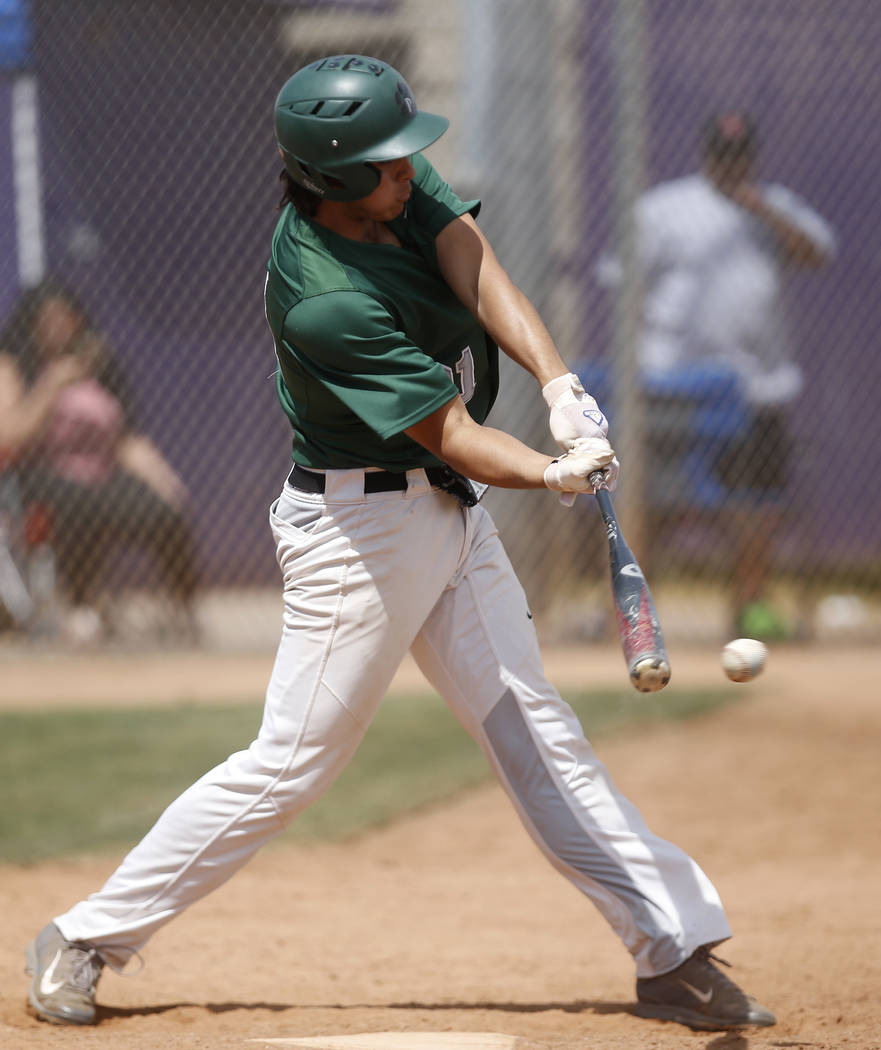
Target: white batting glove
{"points": [[574, 413], [570, 473], [610, 479]]}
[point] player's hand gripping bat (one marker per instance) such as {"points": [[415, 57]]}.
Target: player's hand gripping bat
{"points": [[638, 627]]}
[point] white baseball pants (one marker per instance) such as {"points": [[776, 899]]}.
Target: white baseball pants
{"points": [[366, 578]]}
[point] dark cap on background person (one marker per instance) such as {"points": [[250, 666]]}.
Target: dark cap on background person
{"points": [[728, 135]]}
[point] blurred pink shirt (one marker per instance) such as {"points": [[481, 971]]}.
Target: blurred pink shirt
{"points": [[82, 439]]}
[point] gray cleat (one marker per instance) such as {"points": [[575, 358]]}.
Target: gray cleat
{"points": [[65, 975], [699, 995]]}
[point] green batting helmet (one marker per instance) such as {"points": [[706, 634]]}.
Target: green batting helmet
{"points": [[336, 115]]}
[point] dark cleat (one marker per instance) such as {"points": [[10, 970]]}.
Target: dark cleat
{"points": [[699, 995]]}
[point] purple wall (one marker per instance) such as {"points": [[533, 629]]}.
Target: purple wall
{"points": [[8, 250], [160, 174], [161, 190], [809, 72]]}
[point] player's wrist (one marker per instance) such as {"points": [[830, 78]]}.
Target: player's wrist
{"points": [[571, 472], [553, 477], [566, 387]]}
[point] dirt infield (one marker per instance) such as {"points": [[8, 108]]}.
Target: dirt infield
{"points": [[454, 922]]}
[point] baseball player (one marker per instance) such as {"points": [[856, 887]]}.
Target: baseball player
{"points": [[387, 306]]}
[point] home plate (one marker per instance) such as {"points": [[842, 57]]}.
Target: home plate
{"points": [[402, 1041]]}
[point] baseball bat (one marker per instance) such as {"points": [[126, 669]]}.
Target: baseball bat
{"points": [[637, 621]]}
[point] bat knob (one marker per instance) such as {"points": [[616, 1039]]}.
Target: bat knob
{"points": [[650, 674]]}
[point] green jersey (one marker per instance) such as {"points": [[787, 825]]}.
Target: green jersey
{"points": [[370, 338]]}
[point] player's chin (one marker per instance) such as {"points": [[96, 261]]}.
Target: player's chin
{"points": [[388, 213]]}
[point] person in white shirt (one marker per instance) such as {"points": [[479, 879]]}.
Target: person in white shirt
{"points": [[715, 248]]}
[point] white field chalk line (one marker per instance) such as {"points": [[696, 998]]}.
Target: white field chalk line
{"points": [[402, 1041]]}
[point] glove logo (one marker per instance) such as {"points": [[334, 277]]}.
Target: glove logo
{"points": [[595, 416]]}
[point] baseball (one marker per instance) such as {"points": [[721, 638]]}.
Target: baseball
{"points": [[743, 659]]}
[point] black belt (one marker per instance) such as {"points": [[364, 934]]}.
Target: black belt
{"points": [[374, 480], [459, 487]]}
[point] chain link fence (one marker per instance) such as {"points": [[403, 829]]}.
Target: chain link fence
{"points": [[139, 193]]}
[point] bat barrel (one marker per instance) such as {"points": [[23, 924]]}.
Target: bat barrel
{"points": [[650, 673], [638, 628]]}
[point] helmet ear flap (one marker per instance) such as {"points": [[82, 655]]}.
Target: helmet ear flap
{"points": [[304, 175], [348, 183]]}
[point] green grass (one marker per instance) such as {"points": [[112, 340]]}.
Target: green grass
{"points": [[92, 780]]}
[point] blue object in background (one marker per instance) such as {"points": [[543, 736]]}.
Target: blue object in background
{"points": [[693, 413], [15, 56], [15, 34]]}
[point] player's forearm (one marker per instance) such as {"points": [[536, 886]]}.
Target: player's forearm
{"points": [[481, 453], [496, 458], [515, 325]]}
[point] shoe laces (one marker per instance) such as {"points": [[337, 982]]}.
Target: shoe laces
{"points": [[86, 966], [707, 955], [712, 962]]}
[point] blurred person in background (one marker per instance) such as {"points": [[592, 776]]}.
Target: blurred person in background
{"points": [[715, 248], [66, 424], [388, 307]]}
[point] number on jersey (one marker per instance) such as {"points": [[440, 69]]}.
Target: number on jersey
{"points": [[463, 377]]}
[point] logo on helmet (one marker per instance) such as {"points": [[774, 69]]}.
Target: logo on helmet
{"points": [[313, 186], [307, 180], [405, 100], [350, 63]]}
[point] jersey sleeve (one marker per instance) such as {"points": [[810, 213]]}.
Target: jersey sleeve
{"points": [[349, 343], [432, 205]]}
